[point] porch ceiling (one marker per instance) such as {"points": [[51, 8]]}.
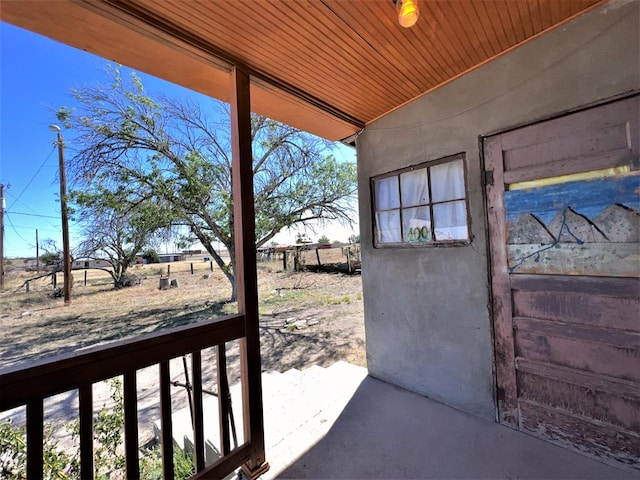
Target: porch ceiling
{"points": [[327, 66]]}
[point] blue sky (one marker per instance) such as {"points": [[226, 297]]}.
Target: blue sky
{"points": [[36, 76]]}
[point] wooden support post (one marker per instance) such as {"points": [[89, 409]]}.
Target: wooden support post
{"points": [[245, 270], [211, 266], [191, 268], [318, 257], [85, 278], [168, 270]]}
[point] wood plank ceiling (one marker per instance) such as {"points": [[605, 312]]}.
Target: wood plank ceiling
{"points": [[326, 66]]}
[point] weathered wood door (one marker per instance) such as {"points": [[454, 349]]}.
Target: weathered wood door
{"points": [[563, 204]]}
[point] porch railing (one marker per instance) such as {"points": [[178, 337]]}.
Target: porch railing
{"points": [[30, 385]]}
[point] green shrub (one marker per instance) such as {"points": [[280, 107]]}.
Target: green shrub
{"points": [[108, 427], [13, 455], [151, 464], [151, 256]]}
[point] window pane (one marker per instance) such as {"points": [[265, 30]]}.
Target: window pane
{"points": [[416, 223], [447, 181], [387, 193], [450, 221], [415, 188], [388, 227]]}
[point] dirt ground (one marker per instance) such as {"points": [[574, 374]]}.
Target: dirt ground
{"points": [[305, 319]]}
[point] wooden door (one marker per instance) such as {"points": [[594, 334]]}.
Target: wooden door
{"points": [[563, 200]]}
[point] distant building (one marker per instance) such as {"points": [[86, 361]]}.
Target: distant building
{"points": [[89, 263], [172, 257]]}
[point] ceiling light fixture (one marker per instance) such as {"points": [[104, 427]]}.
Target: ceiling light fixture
{"points": [[408, 12]]}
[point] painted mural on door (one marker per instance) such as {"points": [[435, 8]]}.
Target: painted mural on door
{"points": [[589, 227]]}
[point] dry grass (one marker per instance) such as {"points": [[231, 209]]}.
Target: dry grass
{"points": [[35, 325]]}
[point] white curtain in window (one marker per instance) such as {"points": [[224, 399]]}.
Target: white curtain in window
{"points": [[387, 222], [388, 226], [447, 181], [450, 221], [415, 188], [387, 193]]}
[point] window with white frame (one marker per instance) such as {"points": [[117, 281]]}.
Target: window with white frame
{"points": [[422, 205]]}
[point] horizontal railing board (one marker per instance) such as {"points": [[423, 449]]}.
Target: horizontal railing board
{"points": [[580, 400], [608, 286], [22, 384]]}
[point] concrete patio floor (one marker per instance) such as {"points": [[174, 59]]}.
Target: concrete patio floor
{"points": [[385, 432]]}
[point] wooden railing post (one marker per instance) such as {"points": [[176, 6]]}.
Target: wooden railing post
{"points": [[85, 401], [132, 462], [245, 269], [166, 438], [223, 400], [198, 425], [35, 439]]}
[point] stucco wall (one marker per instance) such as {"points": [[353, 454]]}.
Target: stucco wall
{"points": [[428, 326]]}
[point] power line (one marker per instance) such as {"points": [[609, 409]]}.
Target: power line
{"points": [[32, 214], [32, 210], [15, 230], [33, 177], [24, 227]]}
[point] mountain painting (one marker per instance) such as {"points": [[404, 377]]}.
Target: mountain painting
{"points": [[588, 227]]}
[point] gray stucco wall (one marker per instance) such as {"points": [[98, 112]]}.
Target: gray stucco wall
{"points": [[428, 326]]}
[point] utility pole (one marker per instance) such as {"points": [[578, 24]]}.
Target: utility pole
{"points": [[65, 217], [2, 207], [37, 253]]}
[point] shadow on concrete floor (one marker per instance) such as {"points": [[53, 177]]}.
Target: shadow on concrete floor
{"points": [[386, 432]]}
